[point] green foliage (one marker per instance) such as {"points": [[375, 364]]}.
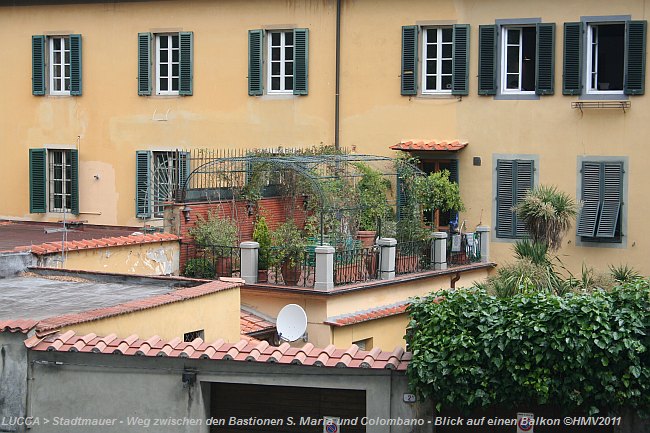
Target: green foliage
{"points": [[215, 231], [199, 268], [547, 213], [372, 189], [436, 191], [262, 235], [536, 252], [624, 273], [580, 351], [588, 280], [288, 244]]}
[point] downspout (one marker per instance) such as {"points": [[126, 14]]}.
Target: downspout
{"points": [[454, 279], [337, 144]]}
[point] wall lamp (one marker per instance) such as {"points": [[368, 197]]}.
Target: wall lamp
{"points": [[186, 213], [250, 206], [188, 378]]}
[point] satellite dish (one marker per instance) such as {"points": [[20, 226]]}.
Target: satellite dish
{"points": [[291, 322]]}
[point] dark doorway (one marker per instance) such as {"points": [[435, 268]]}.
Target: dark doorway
{"points": [[230, 401]]}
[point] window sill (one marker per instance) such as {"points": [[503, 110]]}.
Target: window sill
{"points": [[272, 96], [602, 96], [532, 96], [437, 96]]}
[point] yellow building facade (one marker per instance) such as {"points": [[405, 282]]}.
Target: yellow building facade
{"points": [[93, 83]]}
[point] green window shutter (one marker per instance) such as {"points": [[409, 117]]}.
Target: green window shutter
{"points": [[301, 61], [572, 72], [400, 198], [635, 37], [505, 198], [524, 171], [186, 78], [38, 65], [143, 184], [409, 60], [75, 65], [487, 60], [545, 59], [255, 62], [37, 180], [460, 62], [453, 176], [591, 180], [144, 64], [74, 181], [612, 197]]}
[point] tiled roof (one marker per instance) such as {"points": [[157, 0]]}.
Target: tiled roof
{"points": [[243, 350], [366, 315], [55, 247], [429, 145], [50, 324], [136, 305], [252, 323], [18, 325]]}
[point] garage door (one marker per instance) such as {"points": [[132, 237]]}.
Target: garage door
{"points": [[255, 408]]}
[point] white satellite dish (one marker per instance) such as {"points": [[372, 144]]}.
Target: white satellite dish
{"points": [[291, 322]]}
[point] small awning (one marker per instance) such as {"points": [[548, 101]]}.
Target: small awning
{"points": [[429, 145]]}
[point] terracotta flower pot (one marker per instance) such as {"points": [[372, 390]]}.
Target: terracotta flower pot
{"points": [[224, 266], [290, 274], [367, 237], [262, 275]]}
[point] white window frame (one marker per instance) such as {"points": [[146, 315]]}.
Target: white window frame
{"points": [[170, 64], [439, 59], [283, 62], [62, 78], [504, 60], [51, 180], [589, 70]]}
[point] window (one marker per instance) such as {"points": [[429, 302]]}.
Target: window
{"points": [[365, 344], [516, 60], [437, 60], [167, 64], [286, 58], [514, 178], [188, 337], [445, 60], [56, 65], [602, 197], [53, 181], [173, 57], [604, 56], [159, 175], [280, 72]]}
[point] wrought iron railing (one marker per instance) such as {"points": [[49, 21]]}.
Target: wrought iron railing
{"points": [[413, 256], [211, 261], [296, 273], [463, 249], [356, 265]]}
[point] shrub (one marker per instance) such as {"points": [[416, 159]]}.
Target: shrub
{"points": [[579, 351], [547, 213], [214, 231], [199, 268], [262, 235]]}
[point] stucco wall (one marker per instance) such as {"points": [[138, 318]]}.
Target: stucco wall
{"points": [[110, 122], [217, 313], [13, 378], [86, 385], [386, 333], [160, 258]]}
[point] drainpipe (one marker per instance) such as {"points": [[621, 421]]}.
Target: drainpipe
{"points": [[337, 144], [454, 280]]}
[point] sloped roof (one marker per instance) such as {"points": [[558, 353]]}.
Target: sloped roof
{"points": [[429, 145], [369, 314], [252, 322], [219, 350], [55, 247]]}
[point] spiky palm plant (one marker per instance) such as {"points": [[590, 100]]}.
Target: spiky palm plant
{"points": [[547, 213]]}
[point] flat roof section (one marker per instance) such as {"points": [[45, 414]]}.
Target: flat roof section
{"points": [[36, 297], [19, 234]]}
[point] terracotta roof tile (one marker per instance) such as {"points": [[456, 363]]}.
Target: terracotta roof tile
{"points": [[251, 322], [429, 145], [241, 351], [370, 314], [55, 247], [17, 325]]}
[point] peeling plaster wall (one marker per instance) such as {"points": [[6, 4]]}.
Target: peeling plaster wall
{"points": [[143, 259], [13, 378]]}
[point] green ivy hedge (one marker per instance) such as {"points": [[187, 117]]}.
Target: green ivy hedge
{"points": [[579, 351]]}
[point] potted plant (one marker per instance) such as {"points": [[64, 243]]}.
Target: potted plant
{"points": [[372, 189], [288, 247], [262, 236], [217, 236]]}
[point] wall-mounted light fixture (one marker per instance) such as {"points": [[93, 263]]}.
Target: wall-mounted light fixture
{"points": [[305, 201], [250, 206], [188, 378], [186, 213]]}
